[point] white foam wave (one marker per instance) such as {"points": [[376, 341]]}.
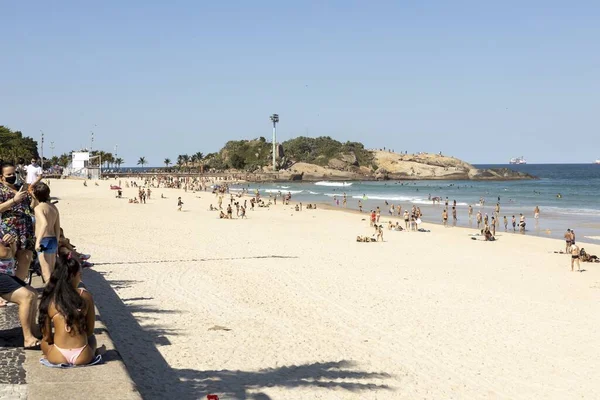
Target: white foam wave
{"points": [[313, 192], [428, 202], [570, 211], [284, 191], [389, 197], [284, 187], [336, 184]]}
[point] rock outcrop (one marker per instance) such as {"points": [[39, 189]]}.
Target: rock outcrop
{"points": [[393, 166]]}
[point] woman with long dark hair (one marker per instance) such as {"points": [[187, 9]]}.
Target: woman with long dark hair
{"points": [[71, 311]]}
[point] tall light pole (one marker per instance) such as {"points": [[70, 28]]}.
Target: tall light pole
{"points": [[275, 120], [42, 149], [116, 156], [92, 142]]}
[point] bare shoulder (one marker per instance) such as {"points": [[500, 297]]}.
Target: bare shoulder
{"points": [[87, 296]]}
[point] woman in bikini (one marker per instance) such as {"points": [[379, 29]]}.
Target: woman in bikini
{"points": [[71, 311]]}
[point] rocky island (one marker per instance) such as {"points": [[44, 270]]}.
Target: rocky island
{"points": [[324, 158]]}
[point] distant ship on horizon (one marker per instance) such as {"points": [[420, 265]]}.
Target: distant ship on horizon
{"points": [[518, 160]]}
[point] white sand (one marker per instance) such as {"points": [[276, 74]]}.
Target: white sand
{"points": [[423, 315]]}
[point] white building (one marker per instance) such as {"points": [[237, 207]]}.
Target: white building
{"points": [[80, 167], [80, 159]]}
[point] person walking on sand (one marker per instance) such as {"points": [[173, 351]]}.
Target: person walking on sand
{"points": [[505, 224], [359, 205], [493, 226], [179, 204], [47, 229], [568, 240], [536, 213], [379, 230], [445, 217], [373, 217], [470, 211], [454, 219], [575, 257], [406, 219], [478, 219], [378, 213]]}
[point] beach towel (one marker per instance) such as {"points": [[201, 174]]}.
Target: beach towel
{"points": [[95, 361]]}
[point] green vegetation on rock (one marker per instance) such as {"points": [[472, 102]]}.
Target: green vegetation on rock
{"points": [[322, 150], [252, 155]]}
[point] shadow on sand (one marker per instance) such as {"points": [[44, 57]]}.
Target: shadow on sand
{"points": [[190, 260], [155, 379]]}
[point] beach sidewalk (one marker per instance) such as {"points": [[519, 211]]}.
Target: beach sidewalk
{"points": [[23, 377]]}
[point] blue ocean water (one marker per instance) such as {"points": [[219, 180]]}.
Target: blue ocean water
{"points": [[568, 196]]}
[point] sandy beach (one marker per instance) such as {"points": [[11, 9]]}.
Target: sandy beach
{"points": [[287, 305]]}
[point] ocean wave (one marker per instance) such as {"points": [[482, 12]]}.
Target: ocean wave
{"points": [[313, 192], [428, 202], [284, 187], [337, 184], [569, 211], [283, 191], [592, 237], [389, 197]]}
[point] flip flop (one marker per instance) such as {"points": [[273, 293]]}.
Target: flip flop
{"points": [[36, 346]]}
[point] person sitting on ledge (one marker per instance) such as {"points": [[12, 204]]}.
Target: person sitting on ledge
{"points": [[71, 310], [14, 290]]}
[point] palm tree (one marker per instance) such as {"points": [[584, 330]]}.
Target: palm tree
{"points": [[119, 161], [167, 162], [198, 157], [180, 160], [142, 161], [108, 159], [186, 159]]}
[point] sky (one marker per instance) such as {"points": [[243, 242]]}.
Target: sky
{"points": [[482, 81]]}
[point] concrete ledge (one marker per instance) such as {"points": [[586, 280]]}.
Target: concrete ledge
{"points": [[109, 380]]}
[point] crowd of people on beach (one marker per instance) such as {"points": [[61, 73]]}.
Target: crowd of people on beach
{"points": [[61, 321]]}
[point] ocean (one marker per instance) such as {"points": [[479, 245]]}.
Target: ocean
{"points": [[567, 194]]}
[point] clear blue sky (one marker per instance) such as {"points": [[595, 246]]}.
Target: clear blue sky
{"points": [[483, 81]]}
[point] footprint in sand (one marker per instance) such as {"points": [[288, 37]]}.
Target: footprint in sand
{"points": [[219, 328]]}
